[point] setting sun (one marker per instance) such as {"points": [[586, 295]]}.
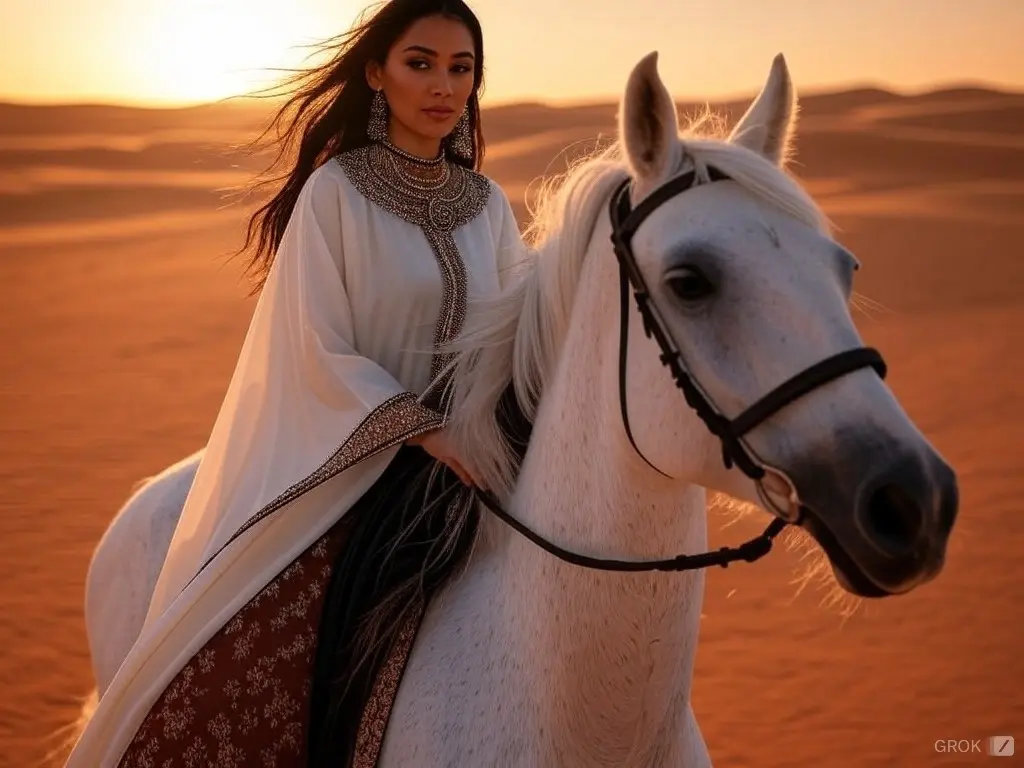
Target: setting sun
{"points": [[196, 50], [186, 51]]}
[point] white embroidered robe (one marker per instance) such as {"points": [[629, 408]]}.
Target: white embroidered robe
{"points": [[326, 388]]}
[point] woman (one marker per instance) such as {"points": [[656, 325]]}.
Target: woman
{"points": [[314, 533]]}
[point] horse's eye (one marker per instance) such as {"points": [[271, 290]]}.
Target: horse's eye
{"points": [[689, 284]]}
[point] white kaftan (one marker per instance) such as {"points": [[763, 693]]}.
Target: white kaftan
{"points": [[326, 388]]}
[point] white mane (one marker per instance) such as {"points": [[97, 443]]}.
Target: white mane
{"points": [[516, 336]]}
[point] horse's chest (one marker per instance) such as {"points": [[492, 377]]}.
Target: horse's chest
{"points": [[471, 694], [461, 699]]}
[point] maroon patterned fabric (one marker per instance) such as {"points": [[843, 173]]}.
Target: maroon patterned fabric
{"points": [[243, 700]]}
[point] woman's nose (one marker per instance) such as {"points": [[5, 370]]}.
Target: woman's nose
{"points": [[442, 86]]}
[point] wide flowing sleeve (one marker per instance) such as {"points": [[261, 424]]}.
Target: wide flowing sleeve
{"points": [[511, 251], [303, 404]]}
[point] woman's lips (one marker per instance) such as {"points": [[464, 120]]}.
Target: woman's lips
{"points": [[439, 113]]}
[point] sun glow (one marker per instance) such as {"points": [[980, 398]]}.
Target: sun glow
{"points": [[199, 50]]}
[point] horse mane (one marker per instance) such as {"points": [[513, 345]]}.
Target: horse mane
{"points": [[511, 342]]}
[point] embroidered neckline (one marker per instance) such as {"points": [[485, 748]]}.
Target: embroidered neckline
{"points": [[442, 201]]}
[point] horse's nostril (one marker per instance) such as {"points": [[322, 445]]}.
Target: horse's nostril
{"points": [[894, 518]]}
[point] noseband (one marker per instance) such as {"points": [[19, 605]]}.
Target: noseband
{"points": [[731, 433]]}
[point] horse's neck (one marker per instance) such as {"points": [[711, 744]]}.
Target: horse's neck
{"points": [[613, 652]]}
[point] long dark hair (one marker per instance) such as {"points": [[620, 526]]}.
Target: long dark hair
{"points": [[328, 111]]}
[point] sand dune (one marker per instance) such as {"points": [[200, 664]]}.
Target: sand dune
{"points": [[122, 320]]}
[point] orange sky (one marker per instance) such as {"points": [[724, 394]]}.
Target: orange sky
{"points": [[181, 51]]}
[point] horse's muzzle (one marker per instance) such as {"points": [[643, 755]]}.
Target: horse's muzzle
{"points": [[883, 517]]}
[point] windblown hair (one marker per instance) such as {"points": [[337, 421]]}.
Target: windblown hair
{"points": [[328, 110], [515, 338]]}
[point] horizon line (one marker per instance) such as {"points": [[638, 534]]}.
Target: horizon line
{"points": [[154, 103]]}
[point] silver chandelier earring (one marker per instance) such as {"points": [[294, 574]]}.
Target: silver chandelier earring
{"points": [[377, 127], [460, 140]]}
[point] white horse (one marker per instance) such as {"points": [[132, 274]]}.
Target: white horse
{"points": [[525, 659]]}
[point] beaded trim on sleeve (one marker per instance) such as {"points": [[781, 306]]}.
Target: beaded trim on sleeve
{"points": [[395, 420]]}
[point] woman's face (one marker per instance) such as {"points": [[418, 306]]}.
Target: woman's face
{"points": [[427, 78]]}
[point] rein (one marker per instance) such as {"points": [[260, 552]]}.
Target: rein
{"points": [[736, 452], [748, 552]]}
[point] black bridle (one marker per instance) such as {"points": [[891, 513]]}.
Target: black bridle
{"points": [[625, 222]]}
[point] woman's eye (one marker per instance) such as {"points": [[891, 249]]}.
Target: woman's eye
{"points": [[689, 284], [421, 64]]}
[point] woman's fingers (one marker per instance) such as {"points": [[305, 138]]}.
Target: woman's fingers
{"points": [[474, 478], [459, 470], [468, 478], [468, 472]]}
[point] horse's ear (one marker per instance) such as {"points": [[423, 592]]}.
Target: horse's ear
{"points": [[648, 124], [768, 125]]}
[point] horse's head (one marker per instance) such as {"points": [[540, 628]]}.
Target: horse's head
{"points": [[754, 292]]}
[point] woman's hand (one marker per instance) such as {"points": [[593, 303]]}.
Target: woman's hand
{"points": [[437, 445]]}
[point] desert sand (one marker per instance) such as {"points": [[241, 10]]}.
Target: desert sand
{"points": [[122, 318]]}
